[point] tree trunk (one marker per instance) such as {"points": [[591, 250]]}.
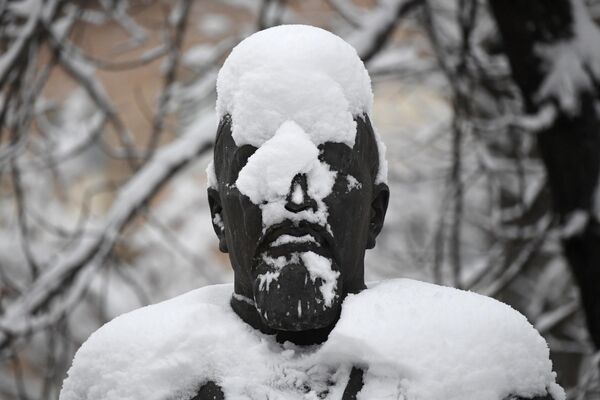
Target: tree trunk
{"points": [[570, 145]]}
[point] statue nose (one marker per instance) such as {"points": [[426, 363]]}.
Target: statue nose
{"points": [[298, 199]]}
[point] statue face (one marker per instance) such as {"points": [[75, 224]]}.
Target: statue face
{"points": [[297, 255]]}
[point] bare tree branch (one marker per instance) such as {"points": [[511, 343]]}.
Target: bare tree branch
{"points": [[378, 26], [181, 14], [348, 11], [90, 254]]}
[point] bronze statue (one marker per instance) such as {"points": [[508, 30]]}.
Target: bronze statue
{"points": [[297, 195], [354, 220]]}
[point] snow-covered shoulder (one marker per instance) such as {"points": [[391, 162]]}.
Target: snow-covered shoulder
{"points": [[154, 352], [442, 343], [416, 341]]}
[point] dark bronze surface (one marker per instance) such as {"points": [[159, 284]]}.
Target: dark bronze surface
{"points": [[355, 218]]}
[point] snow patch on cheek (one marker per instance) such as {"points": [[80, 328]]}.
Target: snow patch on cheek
{"points": [[218, 221], [320, 180], [352, 183]]}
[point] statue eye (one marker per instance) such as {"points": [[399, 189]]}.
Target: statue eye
{"points": [[239, 159], [337, 155], [242, 154]]}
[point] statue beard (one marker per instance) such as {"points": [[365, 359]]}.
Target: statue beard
{"points": [[288, 299]]}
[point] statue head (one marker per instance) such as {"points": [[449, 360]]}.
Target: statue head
{"points": [[297, 186]]}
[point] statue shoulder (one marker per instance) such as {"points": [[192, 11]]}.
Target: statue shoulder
{"points": [[445, 340], [136, 347]]}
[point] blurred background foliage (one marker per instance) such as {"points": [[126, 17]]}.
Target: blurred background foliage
{"points": [[106, 127]]}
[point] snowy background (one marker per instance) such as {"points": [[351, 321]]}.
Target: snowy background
{"points": [[107, 116]]}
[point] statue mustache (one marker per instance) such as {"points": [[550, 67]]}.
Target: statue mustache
{"points": [[317, 231]]}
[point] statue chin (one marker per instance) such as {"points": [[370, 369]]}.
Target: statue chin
{"points": [[293, 302]]}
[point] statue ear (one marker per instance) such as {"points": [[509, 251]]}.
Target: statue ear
{"points": [[216, 213], [379, 204]]}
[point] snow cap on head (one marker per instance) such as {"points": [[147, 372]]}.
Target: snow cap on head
{"points": [[295, 73]]}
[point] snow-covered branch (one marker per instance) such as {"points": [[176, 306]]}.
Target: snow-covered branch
{"points": [[91, 252], [377, 27]]}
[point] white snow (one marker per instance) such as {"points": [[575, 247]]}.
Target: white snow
{"points": [[575, 223], [198, 55], [316, 265], [374, 24], [416, 341], [295, 73], [24, 8], [353, 183], [88, 254], [244, 299], [285, 239], [267, 278], [297, 194], [570, 62], [277, 264], [217, 220], [268, 174], [211, 176], [320, 267], [33, 9], [542, 119], [214, 25], [442, 343]]}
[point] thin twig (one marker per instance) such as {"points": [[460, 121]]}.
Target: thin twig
{"points": [[90, 254], [517, 265], [85, 76], [173, 58], [378, 27], [347, 10], [32, 263]]}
